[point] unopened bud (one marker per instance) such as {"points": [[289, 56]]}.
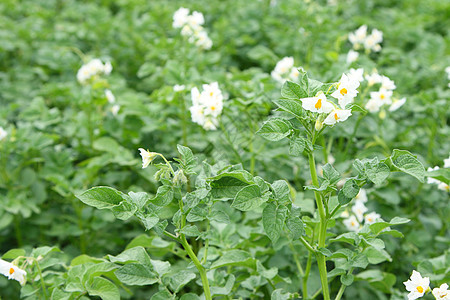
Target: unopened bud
{"points": [[179, 179], [382, 114], [319, 125]]}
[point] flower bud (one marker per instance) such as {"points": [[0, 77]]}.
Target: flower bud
{"points": [[179, 179], [382, 114], [319, 125]]}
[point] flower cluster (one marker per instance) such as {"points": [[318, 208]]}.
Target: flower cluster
{"points": [[359, 214], [418, 286], [384, 95], [285, 70], [346, 91], [3, 133], [441, 185], [370, 42], [112, 99], [92, 69], [12, 271], [191, 27], [207, 105]]}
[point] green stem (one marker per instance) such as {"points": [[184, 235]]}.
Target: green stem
{"points": [[305, 278], [297, 262], [183, 118], [18, 231], [199, 266], [307, 245], [321, 260], [44, 290]]}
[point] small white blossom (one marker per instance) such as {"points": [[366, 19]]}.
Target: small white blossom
{"points": [[447, 163], [12, 271], [346, 90], [191, 27], [444, 187], [180, 17], [359, 209], [285, 70], [431, 180], [178, 87], [356, 74], [371, 218], [352, 56], [382, 96], [147, 157], [107, 68], [416, 285], [352, 223], [373, 78], [93, 68], [373, 105], [115, 109], [337, 115], [396, 104], [358, 37], [318, 104], [207, 105], [387, 83], [3, 133], [441, 293], [361, 197], [110, 96]]}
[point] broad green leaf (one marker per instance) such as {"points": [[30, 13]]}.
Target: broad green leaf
{"points": [[136, 254], [249, 198], [297, 146], [377, 173], [281, 191], [160, 267], [294, 224], [348, 192], [347, 279], [103, 288], [106, 144], [234, 258], [359, 261], [349, 237], [164, 196], [330, 174], [180, 279], [197, 214], [275, 129], [376, 256], [219, 216], [102, 197], [190, 296], [441, 175], [13, 254], [292, 90], [139, 199], [273, 220], [136, 274], [377, 227], [292, 106], [188, 159], [190, 230], [163, 295], [224, 290], [228, 184], [406, 162]]}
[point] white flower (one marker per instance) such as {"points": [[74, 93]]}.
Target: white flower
{"points": [[115, 109], [382, 96], [371, 218], [196, 19], [358, 37], [110, 96], [359, 209], [444, 187], [431, 180], [147, 157], [372, 42], [107, 68], [352, 56], [416, 285], [356, 74], [387, 83], [447, 163], [284, 65], [207, 105], [12, 271], [180, 17], [202, 40], [318, 104], [178, 87], [3, 133], [361, 197], [345, 214], [337, 115], [351, 223], [346, 90], [373, 105], [373, 78], [396, 104], [441, 293], [285, 70]]}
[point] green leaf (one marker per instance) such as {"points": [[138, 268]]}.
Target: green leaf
{"points": [[351, 238], [190, 296], [228, 184], [103, 288], [441, 175], [219, 216], [273, 220], [139, 199], [164, 196], [377, 173], [275, 129], [197, 214], [376, 256], [326, 252], [249, 198], [330, 174], [297, 146], [136, 274], [281, 191], [180, 279], [190, 230], [102, 197], [377, 227], [359, 261], [291, 106], [188, 159], [348, 192], [347, 279], [136, 254], [292, 90], [13, 254], [234, 258], [163, 295], [294, 224], [160, 267], [406, 162], [106, 144]]}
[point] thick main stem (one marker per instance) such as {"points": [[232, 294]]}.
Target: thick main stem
{"points": [[199, 266], [321, 260]]}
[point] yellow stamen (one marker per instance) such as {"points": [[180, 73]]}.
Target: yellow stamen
{"points": [[353, 223], [11, 271], [211, 94], [213, 108], [336, 116], [343, 91], [420, 289], [318, 104], [382, 96]]}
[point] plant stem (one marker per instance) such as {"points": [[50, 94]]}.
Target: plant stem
{"points": [[307, 245], [18, 231], [305, 278], [297, 262], [44, 290], [199, 266], [321, 260]]}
